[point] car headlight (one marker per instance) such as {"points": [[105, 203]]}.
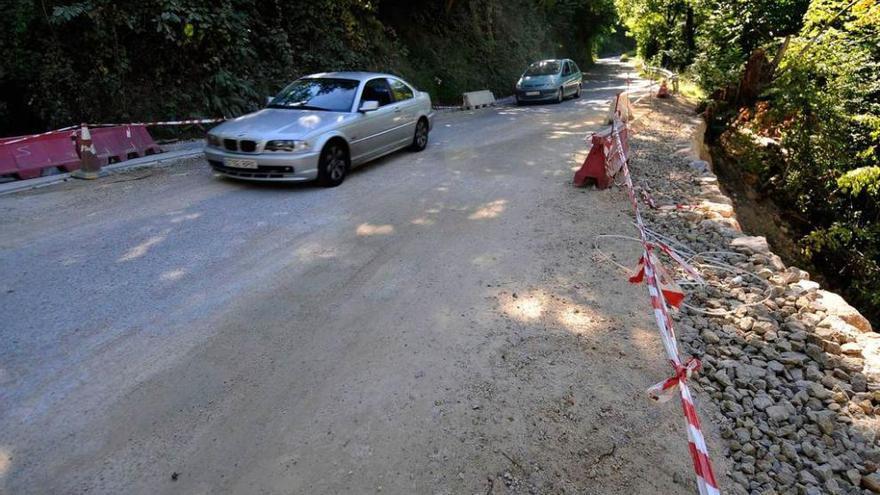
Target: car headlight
{"points": [[214, 140], [287, 145]]}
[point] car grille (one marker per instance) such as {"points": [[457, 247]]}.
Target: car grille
{"points": [[263, 172], [245, 145], [541, 93]]}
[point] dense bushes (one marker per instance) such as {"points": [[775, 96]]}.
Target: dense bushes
{"points": [[817, 99], [487, 44], [100, 60], [829, 106]]}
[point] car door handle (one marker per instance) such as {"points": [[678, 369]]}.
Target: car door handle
{"points": [[396, 109]]}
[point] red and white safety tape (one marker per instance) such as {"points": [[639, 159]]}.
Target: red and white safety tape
{"points": [[34, 136], [681, 261], [649, 200], [706, 482], [129, 124], [162, 123]]}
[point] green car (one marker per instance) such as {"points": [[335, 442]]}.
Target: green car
{"points": [[549, 80]]}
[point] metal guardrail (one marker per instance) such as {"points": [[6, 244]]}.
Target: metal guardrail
{"points": [[654, 72]]}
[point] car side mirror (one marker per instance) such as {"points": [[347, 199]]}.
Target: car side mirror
{"points": [[368, 106], [269, 99]]}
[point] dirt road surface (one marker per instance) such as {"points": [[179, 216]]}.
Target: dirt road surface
{"points": [[438, 324]]}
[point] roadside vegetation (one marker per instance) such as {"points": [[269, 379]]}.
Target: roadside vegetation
{"points": [[794, 91], [102, 60]]}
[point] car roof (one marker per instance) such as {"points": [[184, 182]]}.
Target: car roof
{"points": [[357, 76]]}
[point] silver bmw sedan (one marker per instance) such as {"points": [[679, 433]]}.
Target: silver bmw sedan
{"points": [[320, 126]]}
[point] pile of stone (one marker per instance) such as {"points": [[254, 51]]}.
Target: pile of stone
{"points": [[794, 370]]}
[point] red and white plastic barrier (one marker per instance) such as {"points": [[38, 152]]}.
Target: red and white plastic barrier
{"points": [[659, 291], [25, 157], [597, 166]]}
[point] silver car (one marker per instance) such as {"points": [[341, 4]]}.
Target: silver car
{"points": [[320, 126]]}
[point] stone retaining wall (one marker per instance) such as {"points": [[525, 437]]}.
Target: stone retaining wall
{"points": [[794, 369]]}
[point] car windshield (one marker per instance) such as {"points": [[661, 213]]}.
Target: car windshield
{"points": [[543, 68], [333, 95]]}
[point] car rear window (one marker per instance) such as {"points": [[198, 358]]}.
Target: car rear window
{"points": [[543, 68], [335, 95]]}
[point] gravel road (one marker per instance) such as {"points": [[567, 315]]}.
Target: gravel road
{"points": [[437, 324]]}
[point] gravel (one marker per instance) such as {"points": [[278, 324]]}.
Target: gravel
{"points": [[792, 369]]}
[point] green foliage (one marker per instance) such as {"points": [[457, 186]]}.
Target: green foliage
{"points": [[104, 60], [719, 62], [715, 35], [865, 179], [853, 251], [825, 105], [822, 106], [664, 30], [488, 44]]}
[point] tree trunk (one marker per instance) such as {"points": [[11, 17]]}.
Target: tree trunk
{"points": [[690, 35], [751, 83]]}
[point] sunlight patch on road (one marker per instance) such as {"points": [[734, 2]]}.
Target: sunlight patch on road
{"points": [[5, 460], [172, 275], [577, 318], [562, 134], [485, 260], [489, 210], [71, 260], [422, 221], [525, 307], [191, 216], [142, 248], [552, 310], [644, 339], [428, 217], [366, 229], [314, 251]]}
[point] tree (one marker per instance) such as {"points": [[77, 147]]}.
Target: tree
{"points": [[665, 31], [69, 61]]}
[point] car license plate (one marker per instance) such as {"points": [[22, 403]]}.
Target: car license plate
{"points": [[532, 93], [240, 163]]}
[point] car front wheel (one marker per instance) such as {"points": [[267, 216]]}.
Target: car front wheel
{"points": [[420, 139], [559, 96], [333, 165]]}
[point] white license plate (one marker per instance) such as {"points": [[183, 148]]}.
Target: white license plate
{"points": [[532, 93], [240, 163]]}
